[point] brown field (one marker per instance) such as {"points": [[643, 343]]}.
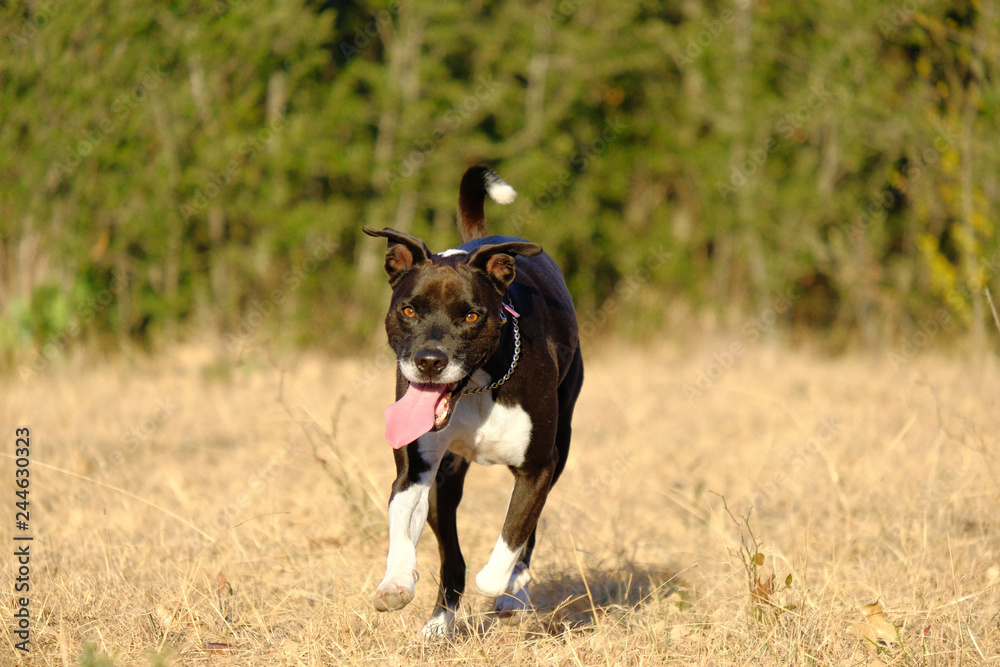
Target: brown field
{"points": [[190, 511]]}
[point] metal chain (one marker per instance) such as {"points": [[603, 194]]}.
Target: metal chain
{"points": [[510, 371]]}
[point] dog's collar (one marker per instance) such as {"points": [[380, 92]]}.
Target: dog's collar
{"points": [[517, 352]]}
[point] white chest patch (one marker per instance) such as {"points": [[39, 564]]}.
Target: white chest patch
{"points": [[485, 432]]}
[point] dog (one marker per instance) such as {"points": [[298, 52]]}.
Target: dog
{"points": [[489, 370]]}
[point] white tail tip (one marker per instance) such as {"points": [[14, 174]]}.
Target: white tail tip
{"points": [[501, 192]]}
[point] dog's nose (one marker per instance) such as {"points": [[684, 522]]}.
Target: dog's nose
{"points": [[431, 361]]}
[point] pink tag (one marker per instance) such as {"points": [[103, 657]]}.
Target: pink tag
{"points": [[510, 310]]}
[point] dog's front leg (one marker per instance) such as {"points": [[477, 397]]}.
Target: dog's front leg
{"points": [[531, 488], [416, 466]]}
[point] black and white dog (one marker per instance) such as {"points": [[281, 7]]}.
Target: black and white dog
{"points": [[489, 369]]}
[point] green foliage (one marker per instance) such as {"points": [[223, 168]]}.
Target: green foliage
{"points": [[91, 656], [169, 167]]}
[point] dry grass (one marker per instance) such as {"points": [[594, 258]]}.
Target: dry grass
{"points": [[243, 520]]}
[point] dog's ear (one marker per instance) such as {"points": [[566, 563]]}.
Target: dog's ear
{"points": [[497, 261], [402, 254]]}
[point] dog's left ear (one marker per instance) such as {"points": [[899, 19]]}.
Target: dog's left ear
{"points": [[402, 254], [497, 261]]}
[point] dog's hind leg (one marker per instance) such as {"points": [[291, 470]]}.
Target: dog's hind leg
{"points": [[569, 391], [515, 601], [444, 498]]}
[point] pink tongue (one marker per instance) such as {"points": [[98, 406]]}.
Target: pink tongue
{"points": [[413, 415]]}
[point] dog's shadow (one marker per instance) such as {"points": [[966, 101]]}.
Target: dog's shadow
{"points": [[572, 600]]}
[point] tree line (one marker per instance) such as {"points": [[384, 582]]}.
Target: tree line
{"points": [[170, 169]]}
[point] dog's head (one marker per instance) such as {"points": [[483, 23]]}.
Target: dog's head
{"points": [[444, 319]]}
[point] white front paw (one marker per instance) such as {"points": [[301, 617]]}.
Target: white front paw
{"points": [[395, 591], [511, 606], [440, 626]]}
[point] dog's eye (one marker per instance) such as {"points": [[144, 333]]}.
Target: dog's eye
{"points": [[472, 317], [409, 312]]}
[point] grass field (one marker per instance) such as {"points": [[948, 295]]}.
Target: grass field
{"points": [[194, 511]]}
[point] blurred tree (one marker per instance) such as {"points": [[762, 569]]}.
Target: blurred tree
{"points": [[171, 169]]}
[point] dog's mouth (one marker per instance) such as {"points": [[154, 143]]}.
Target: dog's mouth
{"points": [[446, 404], [424, 408]]}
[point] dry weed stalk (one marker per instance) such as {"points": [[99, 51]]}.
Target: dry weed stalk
{"points": [[760, 577]]}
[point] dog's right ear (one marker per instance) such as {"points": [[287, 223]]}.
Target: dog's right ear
{"points": [[497, 261], [402, 254]]}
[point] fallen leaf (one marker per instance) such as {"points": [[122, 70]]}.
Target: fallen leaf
{"points": [[764, 586], [876, 629], [163, 615], [224, 587]]}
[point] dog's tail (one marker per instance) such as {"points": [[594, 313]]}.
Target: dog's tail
{"points": [[478, 182]]}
